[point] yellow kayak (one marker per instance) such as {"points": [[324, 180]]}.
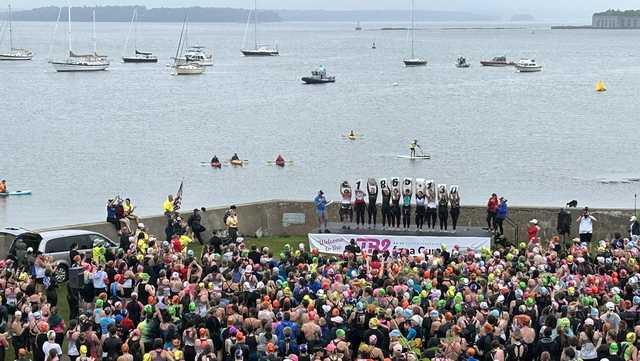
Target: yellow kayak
{"points": [[236, 162]]}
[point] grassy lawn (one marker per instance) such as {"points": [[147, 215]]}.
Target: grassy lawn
{"points": [[275, 244]]}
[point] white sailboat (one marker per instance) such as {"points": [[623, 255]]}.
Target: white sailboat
{"points": [[185, 68], [139, 56], [14, 53], [413, 60], [81, 62], [258, 49]]}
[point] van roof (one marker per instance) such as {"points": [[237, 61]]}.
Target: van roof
{"points": [[62, 233]]}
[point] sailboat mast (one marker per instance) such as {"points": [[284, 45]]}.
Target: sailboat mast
{"points": [[126, 40], [69, 25], [10, 29], [175, 60], [93, 35], [255, 22], [412, 29], [135, 29]]}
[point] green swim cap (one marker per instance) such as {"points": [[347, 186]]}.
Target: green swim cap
{"points": [[340, 332], [441, 303], [616, 299], [148, 309], [192, 306], [99, 303], [613, 348], [458, 308], [522, 285], [530, 301]]}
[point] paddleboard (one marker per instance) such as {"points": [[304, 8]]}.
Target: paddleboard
{"points": [[16, 193], [420, 185], [353, 137], [417, 157], [407, 185]]}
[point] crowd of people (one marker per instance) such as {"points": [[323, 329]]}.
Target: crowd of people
{"points": [[165, 299]]}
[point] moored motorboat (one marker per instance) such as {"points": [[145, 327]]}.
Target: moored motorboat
{"points": [[527, 66], [319, 76], [189, 69], [497, 61]]}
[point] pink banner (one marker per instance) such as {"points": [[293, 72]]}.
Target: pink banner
{"points": [[335, 243]]}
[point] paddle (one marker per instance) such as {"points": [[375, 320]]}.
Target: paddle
{"points": [[271, 162]]}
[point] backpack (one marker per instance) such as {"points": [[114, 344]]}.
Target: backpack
{"points": [[469, 332], [517, 352]]}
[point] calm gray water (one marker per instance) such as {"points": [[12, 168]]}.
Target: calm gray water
{"points": [[537, 139]]}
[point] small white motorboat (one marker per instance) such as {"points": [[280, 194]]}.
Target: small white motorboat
{"points": [[527, 66]]}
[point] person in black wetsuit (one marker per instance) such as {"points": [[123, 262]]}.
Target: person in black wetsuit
{"points": [[235, 157], [359, 206], [387, 218], [443, 207], [395, 207], [420, 209], [454, 202], [215, 160], [372, 209]]}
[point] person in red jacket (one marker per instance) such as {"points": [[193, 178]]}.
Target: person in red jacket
{"points": [[492, 209]]}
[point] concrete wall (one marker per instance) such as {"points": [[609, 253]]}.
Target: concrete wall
{"points": [[267, 218]]}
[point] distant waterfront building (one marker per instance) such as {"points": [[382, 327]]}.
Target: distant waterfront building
{"points": [[616, 19]]}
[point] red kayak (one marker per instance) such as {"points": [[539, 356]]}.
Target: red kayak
{"points": [[216, 165], [280, 162]]}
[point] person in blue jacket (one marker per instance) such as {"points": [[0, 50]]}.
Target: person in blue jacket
{"points": [[502, 214], [321, 211]]}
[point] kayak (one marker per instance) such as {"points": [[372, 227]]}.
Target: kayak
{"points": [[417, 157], [16, 193], [216, 165], [236, 162], [280, 162]]}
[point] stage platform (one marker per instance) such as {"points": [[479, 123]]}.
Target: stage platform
{"points": [[413, 240], [336, 228]]}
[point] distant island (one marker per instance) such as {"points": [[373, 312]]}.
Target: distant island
{"points": [[380, 15], [235, 15], [610, 19], [522, 17], [123, 14]]}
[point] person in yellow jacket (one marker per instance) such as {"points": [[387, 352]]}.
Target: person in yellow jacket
{"points": [[168, 204], [232, 224]]}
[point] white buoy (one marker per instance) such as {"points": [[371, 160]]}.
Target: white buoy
{"points": [[395, 84]]}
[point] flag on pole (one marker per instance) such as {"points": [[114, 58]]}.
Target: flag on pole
{"points": [[177, 201]]}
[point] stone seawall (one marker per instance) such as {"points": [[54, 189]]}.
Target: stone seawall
{"points": [[286, 218]]}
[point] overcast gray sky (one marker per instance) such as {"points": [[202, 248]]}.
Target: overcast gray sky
{"points": [[540, 8]]}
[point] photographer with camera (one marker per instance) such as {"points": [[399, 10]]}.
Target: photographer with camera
{"points": [[585, 225]]}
